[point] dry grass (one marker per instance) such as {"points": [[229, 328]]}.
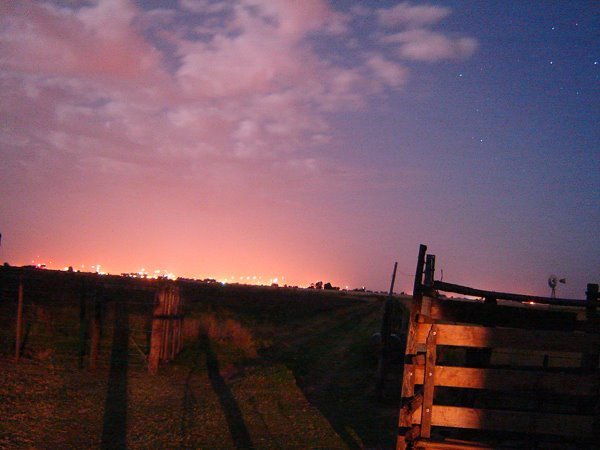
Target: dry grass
{"points": [[228, 332]]}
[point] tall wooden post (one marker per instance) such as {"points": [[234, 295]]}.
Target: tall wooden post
{"points": [[428, 285], [165, 339], [156, 338], [83, 324], [386, 331], [419, 271], [95, 334], [19, 322], [591, 295]]}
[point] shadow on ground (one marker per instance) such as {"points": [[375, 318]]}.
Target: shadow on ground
{"points": [[114, 431], [235, 421]]}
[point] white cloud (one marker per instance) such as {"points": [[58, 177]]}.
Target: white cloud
{"points": [[411, 15], [203, 6], [426, 45], [393, 74]]}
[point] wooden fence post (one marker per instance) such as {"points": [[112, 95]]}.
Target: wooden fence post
{"points": [[19, 322], [429, 382], [427, 289], [156, 337], [385, 335], [591, 295], [83, 324], [96, 332], [419, 271], [165, 339]]}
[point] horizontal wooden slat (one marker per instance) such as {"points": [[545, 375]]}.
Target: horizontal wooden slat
{"points": [[506, 380], [515, 338], [515, 421], [464, 290], [445, 310]]}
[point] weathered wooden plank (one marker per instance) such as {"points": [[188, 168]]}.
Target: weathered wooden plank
{"points": [[515, 338], [429, 382], [515, 421], [502, 315], [508, 380]]}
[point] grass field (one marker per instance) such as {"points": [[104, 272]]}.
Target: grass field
{"points": [[261, 368]]}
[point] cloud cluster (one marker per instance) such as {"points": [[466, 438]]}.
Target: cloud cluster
{"points": [[110, 84], [417, 40]]}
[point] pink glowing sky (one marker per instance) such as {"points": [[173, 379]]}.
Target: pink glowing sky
{"points": [[312, 140]]}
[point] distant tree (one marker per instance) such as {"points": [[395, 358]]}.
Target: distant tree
{"points": [[319, 285]]}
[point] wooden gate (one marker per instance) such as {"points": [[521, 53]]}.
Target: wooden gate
{"points": [[503, 371]]}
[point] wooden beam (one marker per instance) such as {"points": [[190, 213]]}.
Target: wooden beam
{"points": [[513, 338], [508, 380], [465, 290], [419, 271], [516, 421]]}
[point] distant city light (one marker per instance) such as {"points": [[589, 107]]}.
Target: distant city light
{"points": [[157, 274]]}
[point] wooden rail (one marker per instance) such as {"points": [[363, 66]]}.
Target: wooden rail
{"points": [[488, 375], [464, 290]]}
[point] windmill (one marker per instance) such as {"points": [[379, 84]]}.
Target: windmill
{"points": [[553, 280]]}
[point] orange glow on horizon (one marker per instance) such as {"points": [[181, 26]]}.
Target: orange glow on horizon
{"points": [[102, 269]]}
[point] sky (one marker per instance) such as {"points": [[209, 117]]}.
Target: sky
{"points": [[304, 141]]}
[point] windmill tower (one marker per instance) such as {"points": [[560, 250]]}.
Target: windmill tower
{"points": [[553, 280]]}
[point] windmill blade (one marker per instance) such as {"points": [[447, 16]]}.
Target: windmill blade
{"points": [[563, 281]]}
